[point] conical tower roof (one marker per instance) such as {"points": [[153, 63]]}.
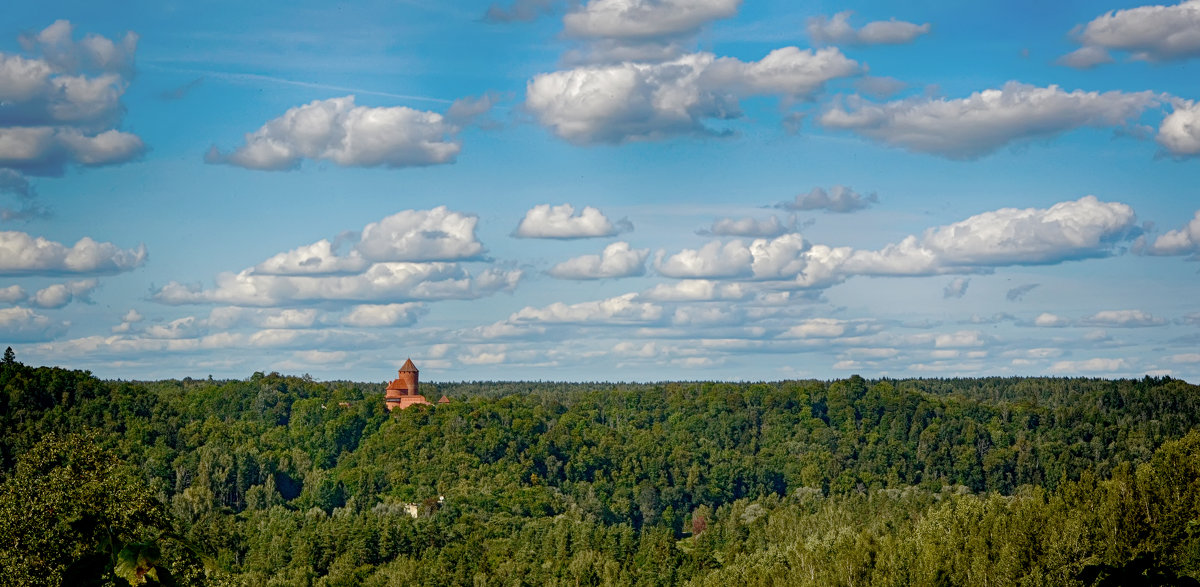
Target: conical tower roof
{"points": [[408, 367]]}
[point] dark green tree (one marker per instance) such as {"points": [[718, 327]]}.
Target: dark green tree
{"points": [[75, 515]]}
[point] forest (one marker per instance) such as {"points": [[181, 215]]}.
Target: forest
{"points": [[284, 480]]}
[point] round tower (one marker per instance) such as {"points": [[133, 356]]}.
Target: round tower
{"points": [[404, 390], [409, 376]]}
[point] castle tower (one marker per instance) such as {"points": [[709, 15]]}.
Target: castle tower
{"points": [[404, 390]]}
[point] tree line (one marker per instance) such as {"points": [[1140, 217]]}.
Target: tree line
{"points": [[282, 480]]}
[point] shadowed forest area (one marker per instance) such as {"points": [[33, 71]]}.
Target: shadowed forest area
{"points": [[280, 480]]}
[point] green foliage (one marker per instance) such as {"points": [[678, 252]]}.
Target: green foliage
{"points": [[289, 481], [76, 515]]}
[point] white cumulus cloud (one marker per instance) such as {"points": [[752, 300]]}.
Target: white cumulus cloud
{"points": [[1152, 33], [967, 128], [1179, 132], [819, 328], [1048, 320], [749, 227], [349, 135], [714, 259], [315, 259], [632, 101], [1068, 230], [838, 199], [1123, 318], [838, 31], [624, 309], [1100, 365], [59, 104], [24, 325], [617, 260], [421, 235], [22, 254], [382, 282], [562, 222], [1085, 58], [12, 294], [61, 294], [1181, 241], [694, 290], [377, 315]]}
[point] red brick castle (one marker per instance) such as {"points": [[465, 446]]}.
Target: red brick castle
{"points": [[404, 390]]}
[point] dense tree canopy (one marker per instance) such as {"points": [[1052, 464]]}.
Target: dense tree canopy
{"points": [[289, 481]]}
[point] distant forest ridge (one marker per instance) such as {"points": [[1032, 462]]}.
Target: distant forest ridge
{"points": [[283, 480]]}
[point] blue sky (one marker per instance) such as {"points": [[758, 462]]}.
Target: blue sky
{"points": [[601, 190]]}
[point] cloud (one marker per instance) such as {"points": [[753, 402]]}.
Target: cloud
{"points": [[93, 53], [61, 294], [694, 290], [422, 235], [382, 282], [957, 288], [1123, 318], [617, 260], [58, 105], [871, 353], [186, 327], [561, 222], [46, 150], [337, 130], [465, 111], [879, 86], [749, 227], [231, 316], [632, 101], [983, 122], [1090, 366], [1068, 230], [783, 258], [12, 294], [1085, 58], [321, 357], [837, 31], [714, 259], [373, 316], [315, 259], [1048, 320], [1179, 132], [25, 325], [1182, 241], [404, 257], [624, 309], [12, 182], [520, 10], [1149, 33], [127, 321], [996, 318], [628, 101], [484, 355], [962, 338], [644, 19], [22, 254], [1017, 293], [788, 71], [826, 328], [839, 199]]}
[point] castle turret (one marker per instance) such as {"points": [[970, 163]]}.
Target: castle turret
{"points": [[404, 390]]}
